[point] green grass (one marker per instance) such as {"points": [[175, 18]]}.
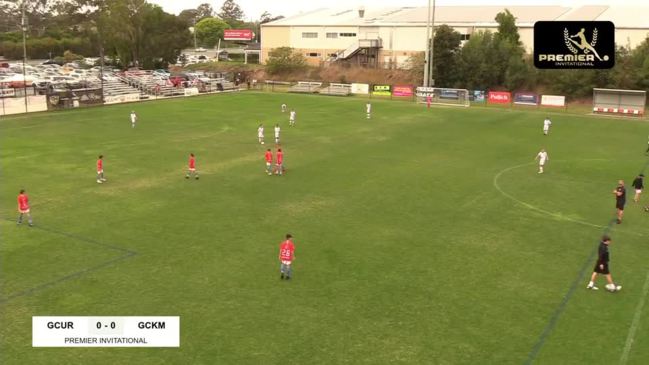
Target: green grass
{"points": [[406, 250]]}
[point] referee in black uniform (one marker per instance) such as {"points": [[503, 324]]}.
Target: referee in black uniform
{"points": [[620, 200], [601, 267]]}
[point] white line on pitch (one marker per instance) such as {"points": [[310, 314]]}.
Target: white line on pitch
{"points": [[636, 322]]}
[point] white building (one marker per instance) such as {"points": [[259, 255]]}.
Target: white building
{"points": [[389, 36]]}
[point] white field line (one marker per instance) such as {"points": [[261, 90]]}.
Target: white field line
{"points": [[636, 322]]}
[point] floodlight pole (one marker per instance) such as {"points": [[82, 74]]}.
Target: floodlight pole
{"points": [[195, 46], [432, 49], [23, 24], [427, 49]]}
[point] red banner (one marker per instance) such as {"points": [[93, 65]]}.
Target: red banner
{"points": [[499, 97], [238, 34], [402, 90]]}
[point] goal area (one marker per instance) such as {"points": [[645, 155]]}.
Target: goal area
{"points": [[443, 96]]}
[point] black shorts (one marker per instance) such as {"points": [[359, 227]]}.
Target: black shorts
{"points": [[600, 270], [620, 205]]}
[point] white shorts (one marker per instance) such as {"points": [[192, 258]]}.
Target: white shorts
{"points": [[546, 129], [286, 262], [192, 169], [21, 211], [268, 164], [100, 171], [542, 163], [638, 191]]}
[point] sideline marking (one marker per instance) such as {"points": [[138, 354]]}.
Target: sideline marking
{"points": [[636, 322]]}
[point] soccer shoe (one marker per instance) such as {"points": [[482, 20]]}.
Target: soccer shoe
{"points": [[196, 177], [281, 277], [103, 180], [99, 181], [614, 288], [592, 287], [32, 224], [187, 177]]}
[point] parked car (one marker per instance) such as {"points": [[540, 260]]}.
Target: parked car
{"points": [[200, 49]]}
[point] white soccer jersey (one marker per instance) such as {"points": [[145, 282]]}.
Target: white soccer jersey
{"points": [[276, 132], [283, 107], [292, 116], [542, 156], [546, 124], [369, 108], [260, 132], [133, 117]]}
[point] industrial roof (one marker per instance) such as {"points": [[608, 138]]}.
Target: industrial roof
{"points": [[623, 17]]}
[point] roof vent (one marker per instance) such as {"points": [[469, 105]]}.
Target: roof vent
{"points": [[361, 12]]}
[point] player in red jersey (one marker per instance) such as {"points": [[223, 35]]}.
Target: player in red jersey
{"points": [[100, 170], [269, 162], [191, 170], [23, 208], [286, 257], [429, 100], [279, 169]]}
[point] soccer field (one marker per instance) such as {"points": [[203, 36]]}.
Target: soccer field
{"points": [[422, 236]]}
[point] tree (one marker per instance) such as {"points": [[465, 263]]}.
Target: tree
{"points": [[188, 16], [415, 66], [284, 59], [445, 52], [210, 30], [204, 11], [266, 17], [231, 13], [507, 29]]}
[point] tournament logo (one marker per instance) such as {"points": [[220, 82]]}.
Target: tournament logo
{"points": [[574, 44]]}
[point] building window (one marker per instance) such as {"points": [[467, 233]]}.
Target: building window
{"points": [[309, 35], [312, 54], [465, 37], [332, 35], [348, 34], [333, 55]]}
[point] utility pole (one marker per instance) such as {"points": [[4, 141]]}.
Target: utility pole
{"points": [[427, 52], [195, 46], [23, 24]]}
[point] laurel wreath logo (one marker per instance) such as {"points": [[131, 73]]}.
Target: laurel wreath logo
{"points": [[566, 39], [594, 41]]}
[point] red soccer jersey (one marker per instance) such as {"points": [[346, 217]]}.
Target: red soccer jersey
{"points": [[280, 157], [269, 156], [192, 162], [100, 165], [286, 250], [23, 202]]}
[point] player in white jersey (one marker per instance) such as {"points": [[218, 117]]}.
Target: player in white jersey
{"points": [[277, 130], [368, 106], [546, 126], [133, 118], [291, 118], [542, 157], [260, 134], [283, 108]]}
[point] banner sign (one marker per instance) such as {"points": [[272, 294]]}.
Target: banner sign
{"points": [[5, 93], [477, 96], [121, 98], [553, 100], [238, 34], [524, 98], [402, 90], [425, 91], [360, 89], [499, 97], [191, 91], [382, 90]]}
